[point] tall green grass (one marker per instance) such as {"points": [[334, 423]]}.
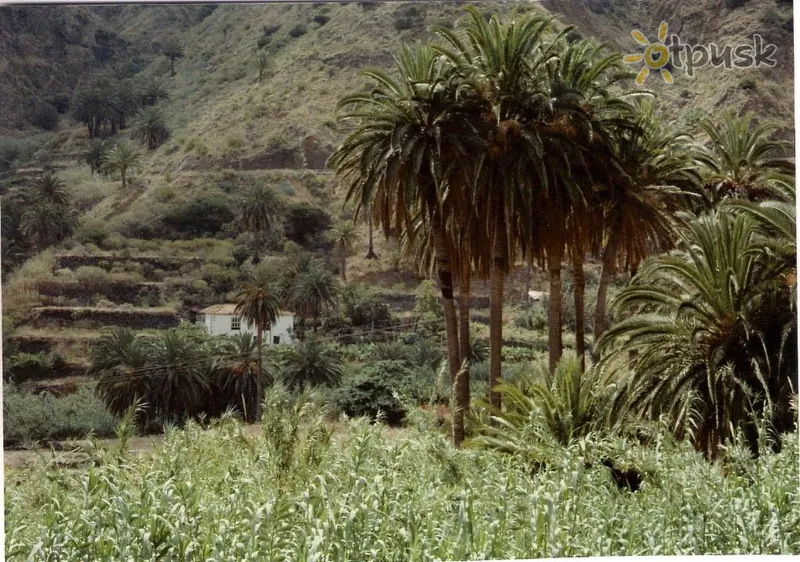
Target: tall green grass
{"points": [[295, 493]]}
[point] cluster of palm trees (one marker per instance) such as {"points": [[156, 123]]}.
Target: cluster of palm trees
{"points": [[106, 103], [508, 141], [36, 216], [179, 373], [183, 373]]}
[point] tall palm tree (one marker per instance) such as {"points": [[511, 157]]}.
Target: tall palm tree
{"points": [[312, 363], [93, 155], [371, 255], [714, 330], [172, 49], [259, 209], [314, 291], [244, 373], [123, 157], [505, 65], [120, 360], [179, 372], [149, 128], [257, 302], [343, 235], [739, 159], [401, 124], [654, 169]]}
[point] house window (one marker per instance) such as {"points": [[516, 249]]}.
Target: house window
{"points": [[236, 323], [276, 340]]}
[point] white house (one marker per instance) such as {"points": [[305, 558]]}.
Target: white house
{"points": [[220, 320]]}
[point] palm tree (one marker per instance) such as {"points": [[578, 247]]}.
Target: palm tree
{"points": [[120, 360], [713, 330], [312, 363], [343, 235], [49, 188], [97, 103], [122, 157], [739, 159], [654, 169], [261, 60], [93, 155], [314, 291], [244, 373], [152, 91], [172, 50], [401, 124], [44, 223], [258, 304], [504, 64], [179, 371], [259, 209], [371, 255], [149, 128]]}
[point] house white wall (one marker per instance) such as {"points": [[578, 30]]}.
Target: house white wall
{"points": [[221, 325]]}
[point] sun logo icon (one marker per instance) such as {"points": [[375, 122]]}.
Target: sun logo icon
{"points": [[655, 56]]}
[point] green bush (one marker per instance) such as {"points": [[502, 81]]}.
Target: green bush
{"points": [[30, 417], [298, 30], [95, 279], [733, 4], [203, 215], [33, 366], [321, 19], [17, 150], [45, 117], [372, 389], [531, 319]]}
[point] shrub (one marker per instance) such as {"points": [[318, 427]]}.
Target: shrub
{"points": [[371, 390], [733, 4], [29, 417], [321, 19], [203, 215], [60, 102], [748, 83], [428, 304], [363, 306], [531, 319], [95, 279], [298, 30], [270, 30], [306, 225], [33, 366], [45, 117], [407, 17]]}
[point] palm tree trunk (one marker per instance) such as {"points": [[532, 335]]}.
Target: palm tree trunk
{"points": [[496, 289], [259, 383], [446, 287], [371, 255], [124, 180], [172, 66], [554, 341], [344, 265], [602, 291], [580, 309], [461, 386]]}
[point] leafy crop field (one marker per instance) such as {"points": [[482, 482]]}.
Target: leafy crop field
{"points": [[296, 492]]}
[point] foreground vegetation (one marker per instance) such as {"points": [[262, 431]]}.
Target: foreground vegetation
{"points": [[297, 492]]}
